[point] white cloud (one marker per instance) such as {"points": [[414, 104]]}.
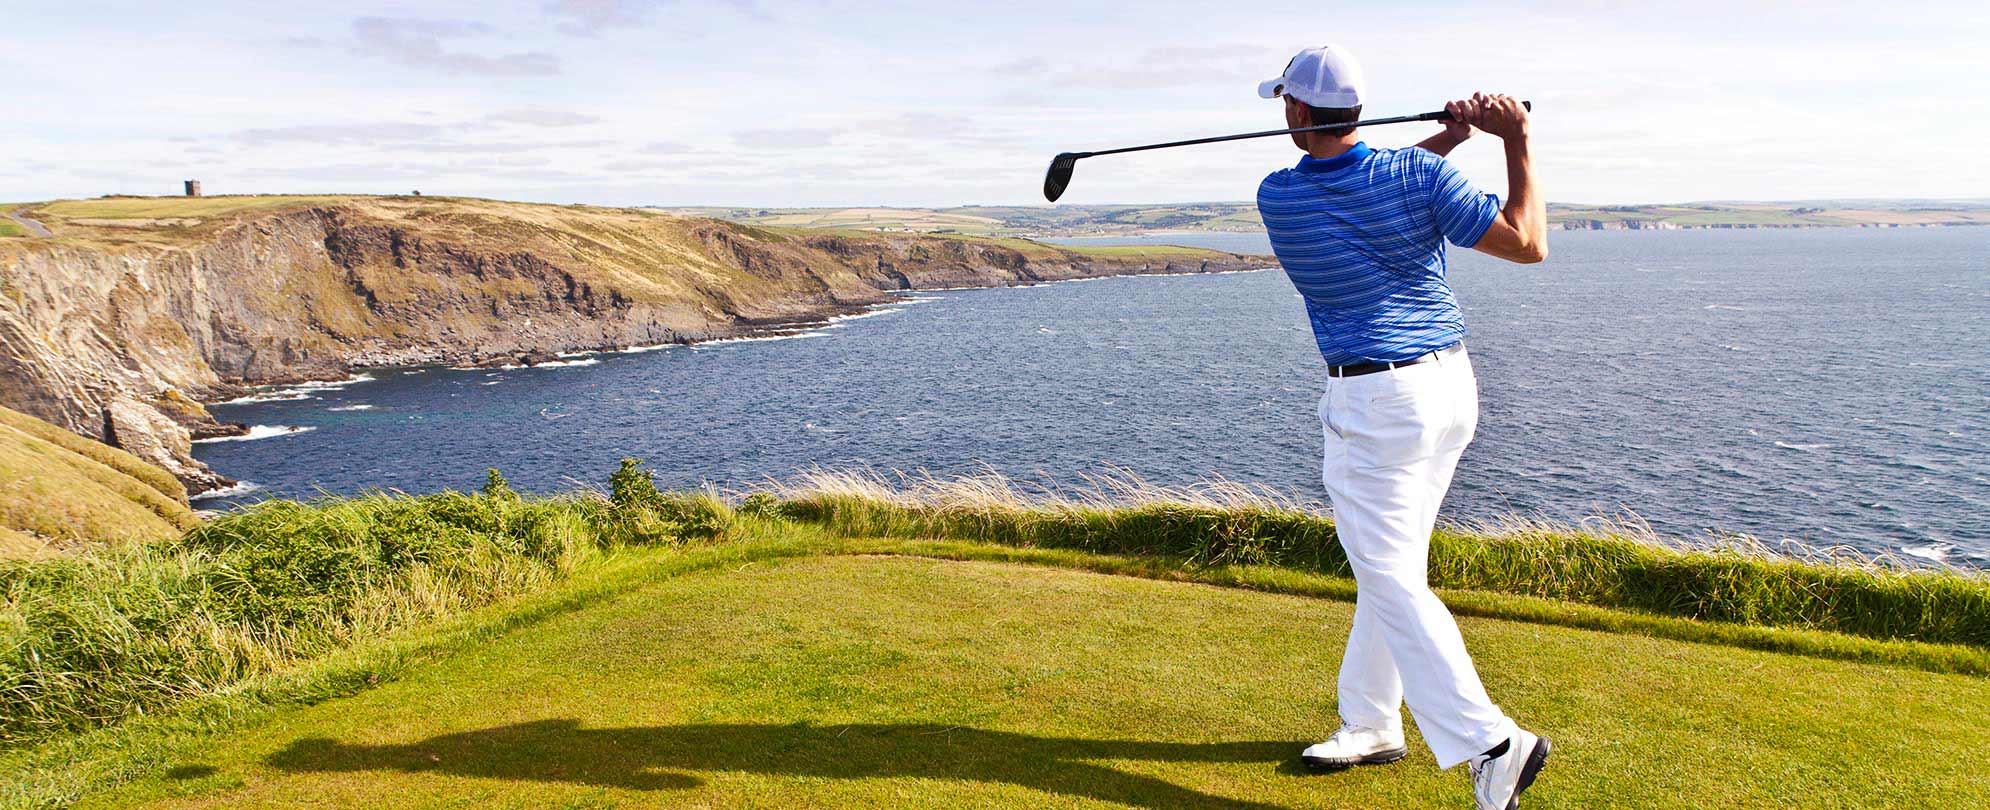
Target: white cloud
{"points": [[418, 44], [687, 102], [366, 133], [797, 138], [542, 117]]}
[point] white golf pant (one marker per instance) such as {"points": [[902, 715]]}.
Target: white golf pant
{"points": [[1393, 439]]}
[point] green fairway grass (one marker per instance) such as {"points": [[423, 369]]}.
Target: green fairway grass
{"points": [[769, 672], [8, 228]]}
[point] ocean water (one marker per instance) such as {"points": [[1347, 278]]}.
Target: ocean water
{"points": [[1826, 386]]}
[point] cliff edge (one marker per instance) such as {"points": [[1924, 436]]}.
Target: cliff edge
{"points": [[136, 310]]}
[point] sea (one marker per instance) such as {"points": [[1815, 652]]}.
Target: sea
{"points": [[1815, 389]]}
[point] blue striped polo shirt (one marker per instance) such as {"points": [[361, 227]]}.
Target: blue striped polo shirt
{"points": [[1361, 234]]}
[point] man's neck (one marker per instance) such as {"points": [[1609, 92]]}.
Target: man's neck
{"points": [[1327, 147]]}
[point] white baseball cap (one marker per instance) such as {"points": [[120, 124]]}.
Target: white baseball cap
{"points": [[1326, 76]]}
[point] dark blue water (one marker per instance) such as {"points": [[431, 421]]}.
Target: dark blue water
{"points": [[1825, 385]]}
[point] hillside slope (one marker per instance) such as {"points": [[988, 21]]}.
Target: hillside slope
{"points": [[58, 489], [139, 308]]}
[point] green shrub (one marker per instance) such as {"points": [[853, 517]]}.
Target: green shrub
{"points": [[642, 515], [91, 639], [631, 486], [495, 486], [763, 505]]}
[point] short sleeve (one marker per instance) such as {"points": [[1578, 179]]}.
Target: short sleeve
{"points": [[1463, 213]]}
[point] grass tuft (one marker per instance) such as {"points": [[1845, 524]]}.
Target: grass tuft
{"points": [[95, 638]]}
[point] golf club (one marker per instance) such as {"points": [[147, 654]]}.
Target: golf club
{"points": [[1059, 176]]}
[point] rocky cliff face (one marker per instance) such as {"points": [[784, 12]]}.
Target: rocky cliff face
{"points": [[117, 331]]}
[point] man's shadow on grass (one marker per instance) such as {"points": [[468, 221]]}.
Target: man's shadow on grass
{"points": [[656, 758]]}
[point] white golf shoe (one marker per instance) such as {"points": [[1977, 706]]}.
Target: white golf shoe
{"points": [[1356, 745], [1501, 773]]}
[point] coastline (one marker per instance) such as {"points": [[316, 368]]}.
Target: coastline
{"points": [[357, 372], [265, 294]]}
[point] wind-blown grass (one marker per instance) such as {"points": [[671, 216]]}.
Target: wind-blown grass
{"points": [[99, 637], [827, 680], [63, 489], [93, 639], [1222, 523]]}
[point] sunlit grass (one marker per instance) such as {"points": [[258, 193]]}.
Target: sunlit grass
{"points": [[63, 488], [288, 603], [102, 636], [1616, 564], [177, 207], [737, 676]]}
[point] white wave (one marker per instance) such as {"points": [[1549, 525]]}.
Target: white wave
{"points": [[763, 338], [1726, 307], [1806, 447], [645, 348], [572, 355], [865, 314], [329, 385], [284, 395], [1079, 280], [585, 361], [360, 407], [919, 299], [1935, 552], [490, 382], [296, 391], [240, 488], [257, 432]]}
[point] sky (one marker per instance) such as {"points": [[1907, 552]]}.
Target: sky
{"points": [[775, 104]]}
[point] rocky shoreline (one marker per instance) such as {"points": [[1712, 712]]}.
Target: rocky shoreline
{"points": [[123, 337]]}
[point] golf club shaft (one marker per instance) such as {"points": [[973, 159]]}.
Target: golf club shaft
{"points": [[1438, 115]]}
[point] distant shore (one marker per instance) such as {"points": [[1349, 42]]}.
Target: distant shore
{"points": [[1075, 221]]}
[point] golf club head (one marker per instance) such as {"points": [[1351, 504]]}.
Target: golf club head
{"points": [[1059, 176]]}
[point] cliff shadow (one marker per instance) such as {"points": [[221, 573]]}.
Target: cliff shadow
{"points": [[668, 757]]}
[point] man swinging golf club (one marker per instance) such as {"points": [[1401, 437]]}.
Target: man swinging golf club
{"points": [[1361, 233]]}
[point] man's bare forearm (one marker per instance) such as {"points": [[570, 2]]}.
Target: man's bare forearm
{"points": [[1441, 144], [1524, 210]]}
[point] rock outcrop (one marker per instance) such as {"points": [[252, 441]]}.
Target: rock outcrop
{"points": [[116, 332]]}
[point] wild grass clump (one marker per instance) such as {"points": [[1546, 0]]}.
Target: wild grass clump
{"points": [[1616, 564], [92, 639]]}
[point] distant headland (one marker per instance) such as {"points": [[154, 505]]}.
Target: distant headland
{"points": [[1119, 220]]}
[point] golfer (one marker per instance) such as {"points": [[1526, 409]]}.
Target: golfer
{"points": [[1361, 233]]}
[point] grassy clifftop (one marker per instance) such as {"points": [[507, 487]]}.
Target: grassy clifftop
{"points": [[59, 490]]}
